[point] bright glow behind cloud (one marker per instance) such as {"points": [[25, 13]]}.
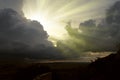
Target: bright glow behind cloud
{"points": [[36, 10], [53, 14]]}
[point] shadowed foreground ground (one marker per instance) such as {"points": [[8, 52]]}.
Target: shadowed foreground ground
{"points": [[42, 71], [107, 68]]}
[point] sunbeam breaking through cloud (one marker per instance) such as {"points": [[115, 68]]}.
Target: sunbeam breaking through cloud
{"points": [[53, 14]]}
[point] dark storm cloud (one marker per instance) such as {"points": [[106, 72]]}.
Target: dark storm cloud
{"points": [[106, 35], [20, 35], [14, 27], [97, 36]]}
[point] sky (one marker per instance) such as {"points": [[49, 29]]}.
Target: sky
{"points": [[52, 13], [59, 28]]}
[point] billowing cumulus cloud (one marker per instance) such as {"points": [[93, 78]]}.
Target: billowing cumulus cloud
{"points": [[16, 28], [94, 35], [20, 35], [23, 38]]}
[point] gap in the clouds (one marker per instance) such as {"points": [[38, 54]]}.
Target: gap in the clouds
{"points": [[54, 16]]}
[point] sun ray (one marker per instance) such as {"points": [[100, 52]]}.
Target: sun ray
{"points": [[52, 13]]}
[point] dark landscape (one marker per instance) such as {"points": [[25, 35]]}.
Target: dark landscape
{"points": [[29, 71], [106, 68]]}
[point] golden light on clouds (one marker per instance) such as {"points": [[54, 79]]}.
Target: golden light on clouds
{"points": [[53, 14]]}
